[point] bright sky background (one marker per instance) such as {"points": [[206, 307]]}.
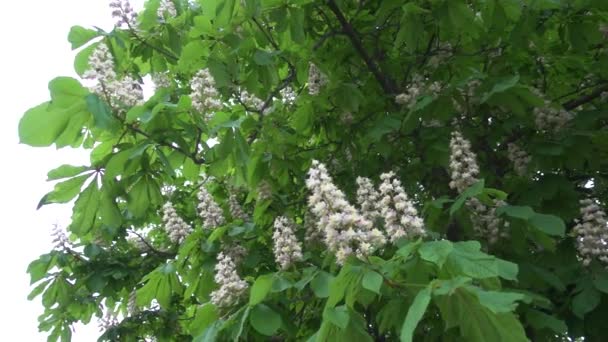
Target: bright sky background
{"points": [[34, 50]]}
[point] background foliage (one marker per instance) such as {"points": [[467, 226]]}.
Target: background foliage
{"points": [[493, 65]]}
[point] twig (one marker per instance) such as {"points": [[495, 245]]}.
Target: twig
{"points": [[386, 83], [156, 251], [165, 52], [586, 98], [193, 156]]}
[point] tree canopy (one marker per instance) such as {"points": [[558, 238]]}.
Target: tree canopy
{"points": [[332, 170]]}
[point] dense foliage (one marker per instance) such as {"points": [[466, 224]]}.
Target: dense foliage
{"points": [[332, 170]]}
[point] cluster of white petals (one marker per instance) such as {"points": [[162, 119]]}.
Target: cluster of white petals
{"points": [[287, 248], [236, 210], [60, 239], [120, 93], [175, 226], [209, 210], [166, 9], [464, 172], [161, 80], [471, 87], [316, 80], [232, 287], [108, 320], [443, 52], [416, 88], [312, 232], [264, 191], [123, 13], [346, 231], [519, 158], [401, 218], [139, 243], [592, 233], [288, 95], [205, 96], [368, 198], [236, 252], [550, 118], [251, 101], [486, 221], [463, 163], [132, 308]]}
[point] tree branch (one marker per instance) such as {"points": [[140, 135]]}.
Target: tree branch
{"points": [[585, 98], [387, 84]]}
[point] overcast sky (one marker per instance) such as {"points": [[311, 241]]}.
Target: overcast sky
{"points": [[34, 50]]}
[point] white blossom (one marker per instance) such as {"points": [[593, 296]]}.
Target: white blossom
{"points": [[288, 95], [161, 80], [60, 239], [519, 158], [368, 198], [236, 252], [312, 231], [123, 13], [463, 163], [346, 231], [101, 65], [550, 118], [132, 308], [592, 233], [401, 219], [139, 243], [287, 248], [108, 320], [486, 221], [264, 191], [205, 96], [209, 210], [251, 101], [236, 210], [166, 9], [415, 89], [232, 287], [316, 80], [175, 226]]}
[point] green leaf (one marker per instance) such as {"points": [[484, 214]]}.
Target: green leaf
{"points": [[265, 320], [436, 252], [467, 259], [205, 315], [260, 289], [520, 212], [338, 316], [471, 191], [372, 281], [541, 320], [585, 301], [600, 281], [262, 57], [102, 113], [415, 314], [501, 86], [65, 171], [79, 36], [548, 224], [497, 301], [40, 126], [66, 92], [84, 216], [320, 284], [64, 191], [38, 268]]}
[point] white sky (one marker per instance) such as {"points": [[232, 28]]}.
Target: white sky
{"points": [[34, 50]]}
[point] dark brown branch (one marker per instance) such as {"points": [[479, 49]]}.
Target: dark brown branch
{"points": [[387, 84], [193, 156], [154, 250], [586, 98]]}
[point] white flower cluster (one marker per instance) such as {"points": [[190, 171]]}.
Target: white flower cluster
{"points": [[236, 211], [287, 248], [416, 88], [232, 287], [138, 243], [264, 191], [472, 86], [549, 118], [401, 218], [592, 233], [316, 80], [442, 53], [463, 163], [108, 320], [368, 198], [346, 231], [166, 8], [209, 210], [161, 80], [119, 92], [175, 226], [312, 233], [132, 308], [464, 171], [251, 101], [205, 97], [123, 13], [60, 239], [486, 222], [288, 95], [236, 252], [519, 158]]}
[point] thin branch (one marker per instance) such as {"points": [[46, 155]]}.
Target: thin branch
{"points": [[386, 83], [164, 52], [193, 156], [156, 251], [586, 98]]}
